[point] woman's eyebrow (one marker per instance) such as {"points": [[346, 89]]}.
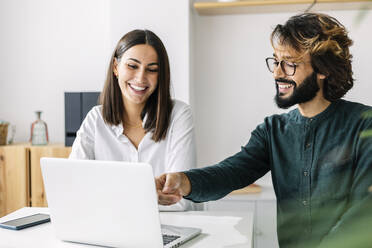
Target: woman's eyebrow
{"points": [[139, 62], [135, 60]]}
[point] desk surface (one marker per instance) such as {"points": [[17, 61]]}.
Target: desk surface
{"points": [[219, 229]]}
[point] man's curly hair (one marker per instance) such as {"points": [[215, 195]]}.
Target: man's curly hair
{"points": [[327, 42]]}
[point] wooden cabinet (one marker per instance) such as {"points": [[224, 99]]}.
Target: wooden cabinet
{"points": [[37, 192], [21, 182], [14, 179]]}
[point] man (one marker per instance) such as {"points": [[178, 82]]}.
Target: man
{"points": [[320, 154]]}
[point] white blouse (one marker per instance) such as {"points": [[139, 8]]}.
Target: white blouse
{"points": [[100, 141]]}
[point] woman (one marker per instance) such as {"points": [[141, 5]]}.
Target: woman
{"points": [[138, 121]]}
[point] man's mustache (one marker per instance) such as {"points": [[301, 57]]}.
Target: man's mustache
{"points": [[283, 80]]}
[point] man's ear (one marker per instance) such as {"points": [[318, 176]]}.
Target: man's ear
{"points": [[320, 76]]}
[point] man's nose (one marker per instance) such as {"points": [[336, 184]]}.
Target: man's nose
{"points": [[278, 72]]}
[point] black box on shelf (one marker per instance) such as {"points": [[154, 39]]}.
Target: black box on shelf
{"points": [[77, 105]]}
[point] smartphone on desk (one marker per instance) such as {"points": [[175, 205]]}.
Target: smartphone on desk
{"points": [[24, 222]]}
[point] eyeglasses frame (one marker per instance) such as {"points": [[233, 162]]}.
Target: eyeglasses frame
{"points": [[281, 66]]}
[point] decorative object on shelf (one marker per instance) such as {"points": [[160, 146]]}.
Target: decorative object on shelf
{"points": [[3, 132], [39, 131], [12, 129]]}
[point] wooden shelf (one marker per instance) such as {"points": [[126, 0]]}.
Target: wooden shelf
{"points": [[250, 189], [272, 6]]}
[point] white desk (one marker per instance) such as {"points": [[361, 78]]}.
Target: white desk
{"points": [[219, 229]]}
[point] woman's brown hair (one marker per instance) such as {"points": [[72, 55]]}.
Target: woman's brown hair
{"points": [[327, 42], [158, 106]]}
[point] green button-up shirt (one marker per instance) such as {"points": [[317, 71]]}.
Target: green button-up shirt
{"points": [[321, 169]]}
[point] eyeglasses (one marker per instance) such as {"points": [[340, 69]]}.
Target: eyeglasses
{"points": [[288, 68]]}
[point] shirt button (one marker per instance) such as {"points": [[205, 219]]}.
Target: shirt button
{"points": [[305, 173], [304, 203]]}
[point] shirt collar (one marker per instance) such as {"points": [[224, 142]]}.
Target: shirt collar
{"points": [[324, 114], [119, 129]]}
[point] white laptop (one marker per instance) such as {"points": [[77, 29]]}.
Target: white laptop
{"points": [[107, 203]]}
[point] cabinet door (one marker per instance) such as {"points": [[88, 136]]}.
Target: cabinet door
{"points": [[14, 179], [38, 197], [265, 231]]}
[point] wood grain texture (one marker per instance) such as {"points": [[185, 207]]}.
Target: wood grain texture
{"points": [[14, 179], [38, 197], [250, 189], [273, 6]]}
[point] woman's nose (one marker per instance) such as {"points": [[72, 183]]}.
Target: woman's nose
{"points": [[141, 75]]}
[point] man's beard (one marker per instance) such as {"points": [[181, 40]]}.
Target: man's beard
{"points": [[304, 93]]}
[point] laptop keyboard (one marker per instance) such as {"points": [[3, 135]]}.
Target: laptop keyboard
{"points": [[169, 238]]}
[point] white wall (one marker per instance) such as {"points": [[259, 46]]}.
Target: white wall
{"points": [[234, 91], [48, 47]]}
